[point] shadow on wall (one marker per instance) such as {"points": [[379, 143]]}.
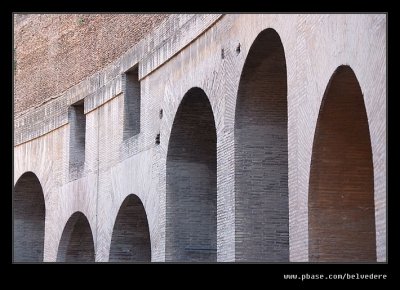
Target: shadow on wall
{"points": [[76, 244], [29, 219], [261, 154], [341, 189], [131, 237], [191, 223]]}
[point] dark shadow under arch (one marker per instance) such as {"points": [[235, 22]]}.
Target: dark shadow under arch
{"points": [[76, 244], [341, 188], [131, 237], [29, 219], [191, 223], [261, 154]]}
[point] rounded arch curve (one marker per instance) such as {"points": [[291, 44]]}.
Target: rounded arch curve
{"points": [[76, 244], [29, 219], [261, 154], [130, 240], [191, 182], [341, 185]]}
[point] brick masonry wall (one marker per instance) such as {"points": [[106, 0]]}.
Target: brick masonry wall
{"points": [[77, 141], [56, 51], [341, 198], [131, 239], [191, 201], [183, 54], [76, 244], [261, 156], [131, 89], [29, 214]]}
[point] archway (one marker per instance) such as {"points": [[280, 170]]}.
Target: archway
{"points": [[29, 219], [191, 224], [131, 237], [76, 244], [261, 154], [341, 188]]}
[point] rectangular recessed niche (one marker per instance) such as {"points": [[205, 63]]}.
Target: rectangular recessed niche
{"points": [[131, 89], [77, 136]]}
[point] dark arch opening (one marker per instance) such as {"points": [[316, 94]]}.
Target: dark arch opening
{"points": [[261, 154], [29, 219], [76, 244], [341, 194], [130, 241], [191, 224]]}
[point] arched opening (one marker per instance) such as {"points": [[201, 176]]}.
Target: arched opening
{"points": [[261, 154], [191, 222], [76, 243], [29, 219], [131, 237], [341, 188]]}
